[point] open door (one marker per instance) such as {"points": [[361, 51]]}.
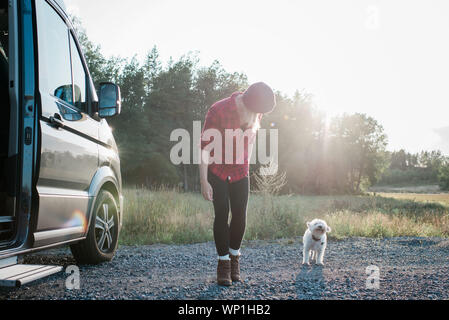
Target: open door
{"points": [[17, 122], [7, 160]]}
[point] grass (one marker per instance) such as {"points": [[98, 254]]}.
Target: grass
{"points": [[170, 217], [442, 198], [421, 189]]}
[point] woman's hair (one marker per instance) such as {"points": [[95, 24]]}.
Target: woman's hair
{"points": [[254, 122], [252, 118]]}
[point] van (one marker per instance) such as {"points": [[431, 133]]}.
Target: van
{"points": [[60, 181]]}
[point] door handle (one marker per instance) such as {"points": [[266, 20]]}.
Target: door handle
{"points": [[56, 121]]}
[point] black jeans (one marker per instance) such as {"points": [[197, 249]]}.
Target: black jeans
{"points": [[233, 196]]}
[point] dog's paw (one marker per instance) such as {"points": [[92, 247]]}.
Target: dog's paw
{"points": [[321, 264], [306, 264]]}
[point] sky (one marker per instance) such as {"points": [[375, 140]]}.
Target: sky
{"points": [[386, 58]]}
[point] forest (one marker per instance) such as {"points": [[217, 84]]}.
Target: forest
{"points": [[317, 155]]}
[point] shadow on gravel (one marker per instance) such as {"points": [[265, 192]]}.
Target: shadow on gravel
{"points": [[6, 291], [310, 283], [212, 291], [50, 259]]}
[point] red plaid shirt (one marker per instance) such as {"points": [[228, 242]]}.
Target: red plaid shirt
{"points": [[221, 116]]}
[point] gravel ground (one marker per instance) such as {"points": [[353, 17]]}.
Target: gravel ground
{"points": [[410, 268]]}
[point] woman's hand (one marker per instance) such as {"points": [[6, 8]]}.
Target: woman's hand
{"points": [[207, 191]]}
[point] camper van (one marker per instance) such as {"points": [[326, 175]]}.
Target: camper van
{"points": [[60, 181]]}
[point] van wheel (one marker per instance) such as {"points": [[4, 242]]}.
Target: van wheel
{"points": [[102, 238]]}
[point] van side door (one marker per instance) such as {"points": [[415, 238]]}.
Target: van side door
{"points": [[69, 136]]}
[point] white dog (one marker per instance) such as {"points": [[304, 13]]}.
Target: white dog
{"points": [[315, 241]]}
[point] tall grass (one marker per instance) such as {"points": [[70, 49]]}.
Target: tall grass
{"points": [[168, 216]]}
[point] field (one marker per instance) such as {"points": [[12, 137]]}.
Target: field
{"points": [[441, 198], [171, 217], [419, 189]]}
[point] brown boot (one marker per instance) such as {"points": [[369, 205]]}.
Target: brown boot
{"points": [[235, 268], [224, 273]]}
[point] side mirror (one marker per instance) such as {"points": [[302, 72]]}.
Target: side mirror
{"points": [[110, 100], [64, 93]]}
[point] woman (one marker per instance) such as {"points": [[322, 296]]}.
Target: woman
{"points": [[225, 178]]}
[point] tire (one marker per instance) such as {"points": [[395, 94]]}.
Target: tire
{"points": [[102, 238]]}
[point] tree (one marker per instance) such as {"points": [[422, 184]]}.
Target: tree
{"points": [[301, 130], [130, 128], [213, 83], [399, 160], [170, 106], [432, 161], [443, 176], [361, 144]]}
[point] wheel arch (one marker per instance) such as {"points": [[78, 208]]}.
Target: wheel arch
{"points": [[109, 186], [105, 179]]}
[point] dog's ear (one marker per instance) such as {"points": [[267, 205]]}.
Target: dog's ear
{"points": [[308, 224], [328, 229]]}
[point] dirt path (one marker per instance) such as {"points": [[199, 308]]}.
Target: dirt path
{"points": [[410, 268]]}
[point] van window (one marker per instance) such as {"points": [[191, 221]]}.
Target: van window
{"points": [[79, 77], [55, 74]]}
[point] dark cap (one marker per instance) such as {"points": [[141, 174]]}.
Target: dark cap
{"points": [[259, 98]]}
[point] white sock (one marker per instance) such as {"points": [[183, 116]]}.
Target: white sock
{"points": [[235, 253], [226, 258]]}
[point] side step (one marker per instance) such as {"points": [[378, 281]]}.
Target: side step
{"points": [[16, 275]]}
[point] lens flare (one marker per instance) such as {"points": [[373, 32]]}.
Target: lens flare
{"points": [[78, 219]]}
